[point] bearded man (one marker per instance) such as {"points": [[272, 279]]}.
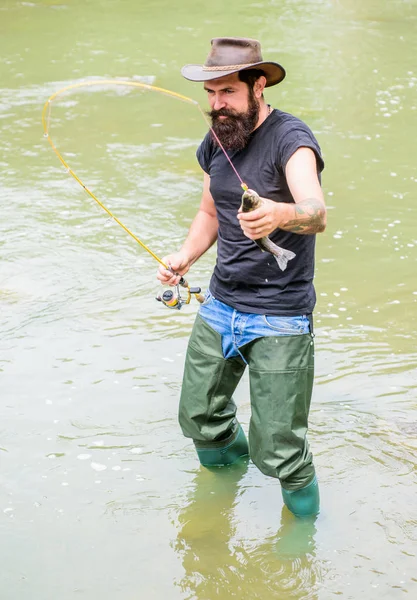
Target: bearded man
{"points": [[254, 314]]}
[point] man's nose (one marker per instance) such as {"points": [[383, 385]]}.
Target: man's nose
{"points": [[219, 103]]}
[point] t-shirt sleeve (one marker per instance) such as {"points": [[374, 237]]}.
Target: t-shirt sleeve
{"points": [[299, 136], [204, 154]]}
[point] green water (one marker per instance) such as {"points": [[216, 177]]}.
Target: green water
{"points": [[100, 496]]}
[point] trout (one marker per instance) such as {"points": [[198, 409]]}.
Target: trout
{"points": [[251, 201]]}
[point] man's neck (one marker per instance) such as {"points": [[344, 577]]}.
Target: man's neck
{"points": [[264, 112]]}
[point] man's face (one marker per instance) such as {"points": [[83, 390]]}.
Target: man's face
{"points": [[234, 110]]}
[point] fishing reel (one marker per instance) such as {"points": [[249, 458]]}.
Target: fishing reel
{"points": [[172, 297]]}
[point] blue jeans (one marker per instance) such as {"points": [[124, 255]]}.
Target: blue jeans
{"points": [[238, 328]]}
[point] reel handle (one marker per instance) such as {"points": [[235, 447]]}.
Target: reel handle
{"points": [[196, 291]]}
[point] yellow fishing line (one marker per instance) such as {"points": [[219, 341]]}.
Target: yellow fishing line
{"points": [[46, 116]]}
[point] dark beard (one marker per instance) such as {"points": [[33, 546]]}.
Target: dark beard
{"points": [[235, 131]]}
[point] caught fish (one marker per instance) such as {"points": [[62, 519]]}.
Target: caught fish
{"points": [[252, 201]]}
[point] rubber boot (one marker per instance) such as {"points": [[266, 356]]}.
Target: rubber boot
{"points": [[223, 452], [304, 502]]}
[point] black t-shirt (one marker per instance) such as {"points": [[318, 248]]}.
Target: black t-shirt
{"points": [[245, 277]]}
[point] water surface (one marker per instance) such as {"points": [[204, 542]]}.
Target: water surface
{"points": [[100, 495]]}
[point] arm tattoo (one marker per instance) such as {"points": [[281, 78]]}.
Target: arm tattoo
{"points": [[309, 217]]}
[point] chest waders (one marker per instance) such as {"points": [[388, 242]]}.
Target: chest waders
{"points": [[281, 373]]}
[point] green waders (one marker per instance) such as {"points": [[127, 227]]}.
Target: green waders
{"points": [[281, 373]]}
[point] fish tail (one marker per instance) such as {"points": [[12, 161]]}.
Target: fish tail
{"points": [[283, 257]]}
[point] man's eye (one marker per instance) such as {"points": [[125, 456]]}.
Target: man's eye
{"points": [[229, 92]]}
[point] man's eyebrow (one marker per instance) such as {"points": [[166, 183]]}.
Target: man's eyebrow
{"points": [[228, 87]]}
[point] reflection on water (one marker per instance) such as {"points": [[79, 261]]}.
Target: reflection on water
{"points": [[218, 564]]}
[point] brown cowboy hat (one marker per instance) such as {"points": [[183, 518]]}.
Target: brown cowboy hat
{"points": [[231, 55]]}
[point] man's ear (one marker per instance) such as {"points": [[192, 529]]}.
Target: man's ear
{"points": [[259, 86]]}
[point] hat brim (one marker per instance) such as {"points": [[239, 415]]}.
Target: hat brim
{"points": [[274, 72]]}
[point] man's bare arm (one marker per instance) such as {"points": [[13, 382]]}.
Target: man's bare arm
{"points": [[308, 214], [305, 217], [204, 228], [201, 236]]}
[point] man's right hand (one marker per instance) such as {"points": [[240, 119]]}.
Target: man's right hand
{"points": [[180, 265]]}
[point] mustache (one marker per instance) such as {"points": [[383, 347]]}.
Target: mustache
{"points": [[222, 112]]}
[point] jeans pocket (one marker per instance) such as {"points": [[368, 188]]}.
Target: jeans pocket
{"points": [[208, 298], [287, 325]]}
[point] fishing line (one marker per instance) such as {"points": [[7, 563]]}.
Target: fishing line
{"points": [[46, 118]]}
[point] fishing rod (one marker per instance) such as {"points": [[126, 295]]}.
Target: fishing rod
{"points": [[171, 298]]}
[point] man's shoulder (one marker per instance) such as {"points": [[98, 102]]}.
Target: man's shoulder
{"points": [[205, 152], [206, 147], [207, 141], [292, 133], [285, 122]]}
